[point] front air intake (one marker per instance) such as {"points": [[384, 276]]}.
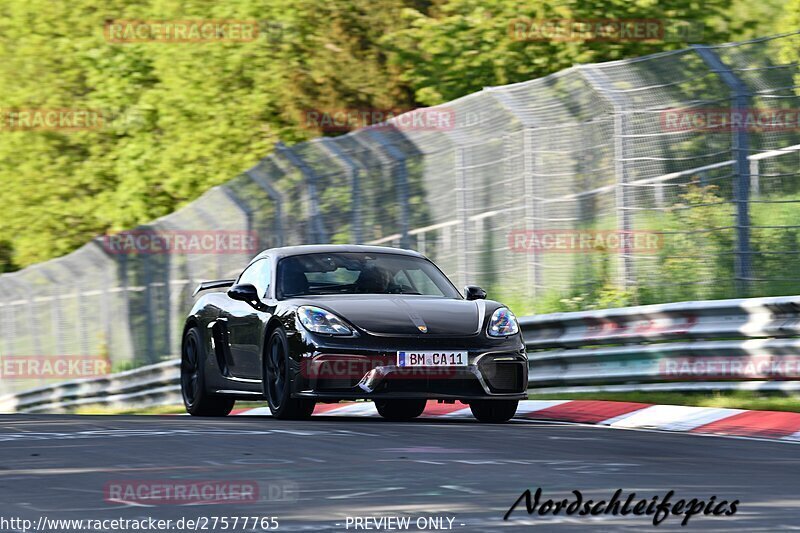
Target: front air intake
{"points": [[504, 376]]}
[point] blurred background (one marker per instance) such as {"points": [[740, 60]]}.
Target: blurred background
{"points": [[546, 135]]}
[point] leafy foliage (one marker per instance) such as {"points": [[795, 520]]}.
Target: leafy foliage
{"points": [[182, 117]]}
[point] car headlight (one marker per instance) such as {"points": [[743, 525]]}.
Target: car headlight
{"points": [[318, 320], [503, 323]]}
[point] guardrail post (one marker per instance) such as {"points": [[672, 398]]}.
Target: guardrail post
{"points": [[401, 182], [318, 234], [598, 80], [740, 96], [353, 169]]}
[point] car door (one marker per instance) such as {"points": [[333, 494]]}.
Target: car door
{"points": [[244, 322]]}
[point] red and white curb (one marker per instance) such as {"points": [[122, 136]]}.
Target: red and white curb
{"points": [[779, 425]]}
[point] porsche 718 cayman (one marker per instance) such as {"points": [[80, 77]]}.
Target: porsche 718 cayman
{"points": [[309, 324]]}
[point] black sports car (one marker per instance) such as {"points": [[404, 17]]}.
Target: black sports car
{"points": [[310, 324]]}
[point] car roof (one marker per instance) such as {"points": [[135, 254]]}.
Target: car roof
{"points": [[288, 251]]}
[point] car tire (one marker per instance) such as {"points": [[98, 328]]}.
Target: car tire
{"points": [[196, 399], [277, 381], [400, 410], [494, 411]]}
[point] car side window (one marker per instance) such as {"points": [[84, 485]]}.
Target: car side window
{"points": [[258, 275]]}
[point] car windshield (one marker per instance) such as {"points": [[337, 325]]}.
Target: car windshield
{"points": [[361, 273]]}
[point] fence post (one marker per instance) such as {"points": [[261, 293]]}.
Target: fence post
{"points": [[755, 173], [248, 213], [740, 96], [81, 336], [532, 208], [27, 308], [462, 210], [7, 325], [330, 146], [55, 311], [36, 339], [401, 182], [148, 294], [121, 261], [318, 235], [108, 313], [263, 181], [206, 215], [598, 80]]}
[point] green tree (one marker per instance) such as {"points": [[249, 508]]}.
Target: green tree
{"points": [[466, 45], [182, 117], [179, 117]]}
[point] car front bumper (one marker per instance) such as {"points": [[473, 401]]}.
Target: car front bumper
{"points": [[333, 368]]}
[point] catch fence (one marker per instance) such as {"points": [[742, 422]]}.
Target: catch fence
{"points": [[595, 150]]}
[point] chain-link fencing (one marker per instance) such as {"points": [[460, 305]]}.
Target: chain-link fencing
{"points": [[599, 186]]}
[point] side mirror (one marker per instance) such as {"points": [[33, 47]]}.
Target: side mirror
{"points": [[473, 292], [244, 292]]}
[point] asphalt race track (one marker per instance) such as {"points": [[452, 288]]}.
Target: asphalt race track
{"points": [[314, 474]]}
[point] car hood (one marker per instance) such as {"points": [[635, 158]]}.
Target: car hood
{"points": [[408, 315]]}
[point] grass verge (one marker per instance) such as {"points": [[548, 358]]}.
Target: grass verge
{"points": [[156, 410], [107, 410]]}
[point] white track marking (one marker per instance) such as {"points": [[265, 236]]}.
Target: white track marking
{"points": [[531, 406], [672, 417], [459, 488], [659, 418], [461, 413], [355, 409], [258, 411]]}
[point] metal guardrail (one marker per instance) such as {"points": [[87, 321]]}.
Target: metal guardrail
{"points": [[585, 150], [743, 344], [147, 386], [749, 344]]}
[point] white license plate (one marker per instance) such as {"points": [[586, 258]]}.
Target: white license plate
{"points": [[408, 359]]}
